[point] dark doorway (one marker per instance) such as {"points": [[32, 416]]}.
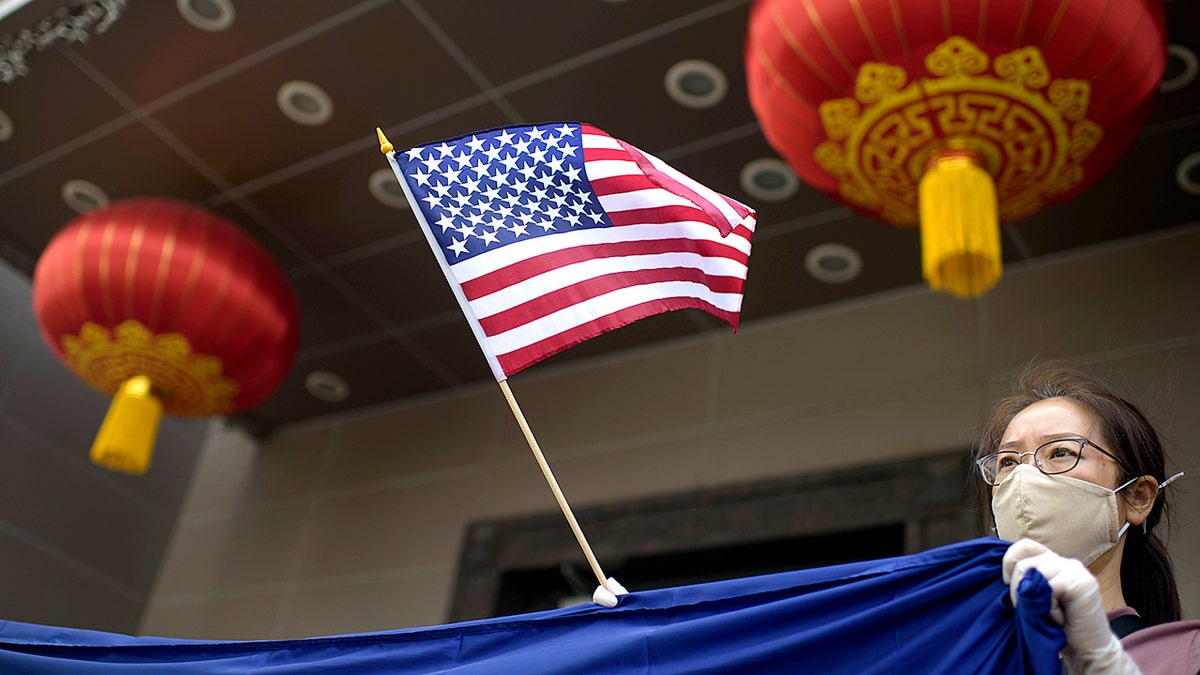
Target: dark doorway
{"points": [[531, 590]]}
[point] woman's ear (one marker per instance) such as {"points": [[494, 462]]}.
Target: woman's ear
{"points": [[1139, 499]]}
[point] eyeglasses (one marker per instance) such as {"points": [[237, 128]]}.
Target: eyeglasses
{"points": [[1058, 456]]}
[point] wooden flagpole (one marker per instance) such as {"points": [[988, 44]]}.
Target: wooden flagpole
{"points": [[386, 147], [558, 494]]}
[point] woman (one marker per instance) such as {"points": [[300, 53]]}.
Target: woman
{"points": [[1075, 475]]}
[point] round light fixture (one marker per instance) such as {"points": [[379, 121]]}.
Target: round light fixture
{"points": [[305, 103], [769, 179], [1179, 76], [696, 84], [207, 15], [6, 127], [1187, 174], [326, 386], [386, 189], [82, 196], [833, 263]]}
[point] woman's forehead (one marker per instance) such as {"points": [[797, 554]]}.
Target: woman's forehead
{"points": [[1049, 419]]}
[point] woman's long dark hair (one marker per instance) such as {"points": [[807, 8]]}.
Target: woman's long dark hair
{"points": [[1147, 575]]}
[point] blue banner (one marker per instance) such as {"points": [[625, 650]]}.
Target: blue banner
{"points": [[941, 611]]}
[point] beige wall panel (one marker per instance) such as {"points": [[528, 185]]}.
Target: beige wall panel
{"points": [[1097, 305], [370, 606], [651, 391], [443, 434], [842, 356], [250, 617], [417, 526]]}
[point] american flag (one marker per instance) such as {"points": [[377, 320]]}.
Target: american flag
{"points": [[553, 234]]}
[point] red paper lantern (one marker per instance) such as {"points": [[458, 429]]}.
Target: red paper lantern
{"points": [[168, 308], [952, 115]]}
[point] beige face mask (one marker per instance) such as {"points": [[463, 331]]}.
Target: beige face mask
{"points": [[1072, 517]]}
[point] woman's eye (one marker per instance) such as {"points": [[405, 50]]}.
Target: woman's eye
{"points": [[1061, 452], [1006, 462]]}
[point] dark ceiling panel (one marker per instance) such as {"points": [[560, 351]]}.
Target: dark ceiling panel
{"points": [[1183, 29], [131, 162], [376, 373], [405, 283], [778, 282], [624, 93], [241, 133], [453, 344], [151, 51], [44, 117], [325, 316], [264, 232], [509, 40]]}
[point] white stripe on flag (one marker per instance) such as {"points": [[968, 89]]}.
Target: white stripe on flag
{"points": [[602, 141], [642, 199], [490, 261], [570, 275], [598, 169], [623, 298]]}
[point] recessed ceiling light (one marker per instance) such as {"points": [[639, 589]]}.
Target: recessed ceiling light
{"points": [[386, 189], [1187, 174], [1181, 68], [6, 127], [696, 84], [326, 386], [769, 179], [304, 102], [833, 263], [82, 196], [207, 15]]}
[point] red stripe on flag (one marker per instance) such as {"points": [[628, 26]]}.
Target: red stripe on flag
{"points": [[619, 184], [531, 267], [657, 216], [526, 356], [600, 154], [543, 305]]}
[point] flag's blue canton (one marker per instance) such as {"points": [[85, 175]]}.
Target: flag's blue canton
{"points": [[490, 189]]}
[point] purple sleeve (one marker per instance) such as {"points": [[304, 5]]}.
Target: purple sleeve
{"points": [[1172, 648]]}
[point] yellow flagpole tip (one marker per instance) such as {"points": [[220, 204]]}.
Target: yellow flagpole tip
{"points": [[385, 146]]}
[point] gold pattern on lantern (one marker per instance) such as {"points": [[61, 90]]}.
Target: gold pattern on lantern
{"points": [[1029, 130], [191, 384]]}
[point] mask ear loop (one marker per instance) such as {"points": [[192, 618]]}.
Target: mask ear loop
{"points": [[1162, 485]]}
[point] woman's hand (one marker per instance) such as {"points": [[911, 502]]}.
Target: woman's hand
{"points": [[1092, 648]]}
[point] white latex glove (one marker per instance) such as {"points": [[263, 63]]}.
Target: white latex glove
{"points": [[1092, 648], [606, 595]]}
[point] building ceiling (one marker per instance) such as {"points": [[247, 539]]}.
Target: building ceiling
{"points": [[156, 105]]}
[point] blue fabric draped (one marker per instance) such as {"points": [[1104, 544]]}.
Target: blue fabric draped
{"points": [[942, 611]]}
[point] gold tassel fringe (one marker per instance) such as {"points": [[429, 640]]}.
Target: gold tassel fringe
{"points": [[125, 442], [960, 229]]}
